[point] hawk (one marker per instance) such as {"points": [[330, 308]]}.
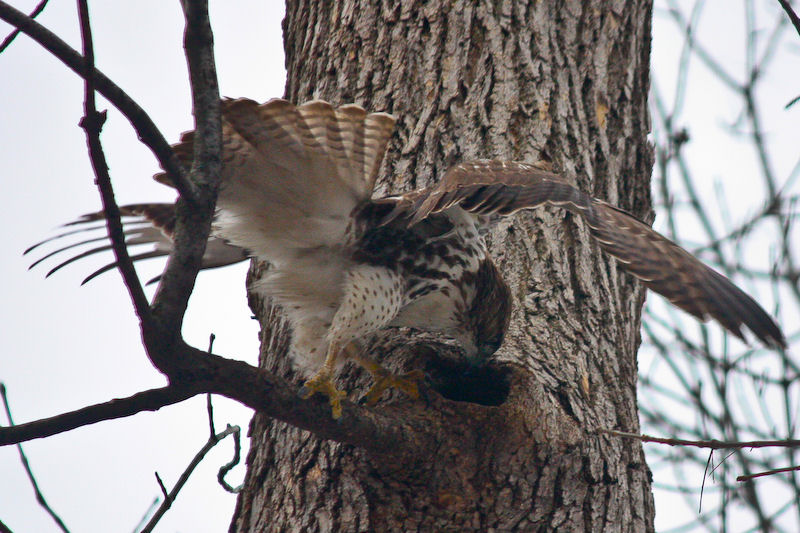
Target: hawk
{"points": [[297, 185]]}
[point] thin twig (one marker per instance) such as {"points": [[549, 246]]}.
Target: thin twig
{"points": [[768, 473], [13, 35], [209, 406], [169, 496], [92, 123], [237, 447], [26, 465], [711, 444], [227, 467], [210, 411], [146, 516], [164, 490], [791, 13], [703, 484]]}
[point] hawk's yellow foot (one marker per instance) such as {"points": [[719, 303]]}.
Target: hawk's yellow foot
{"points": [[408, 383], [323, 383], [384, 379]]}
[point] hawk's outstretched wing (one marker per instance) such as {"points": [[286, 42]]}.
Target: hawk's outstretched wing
{"points": [[486, 187], [291, 178], [143, 224]]}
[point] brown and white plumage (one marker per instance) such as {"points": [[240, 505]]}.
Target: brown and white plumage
{"points": [[502, 188], [296, 191]]}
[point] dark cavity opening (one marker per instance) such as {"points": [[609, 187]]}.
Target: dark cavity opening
{"points": [[460, 381]]}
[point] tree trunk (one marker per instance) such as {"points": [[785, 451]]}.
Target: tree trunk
{"points": [[518, 442]]}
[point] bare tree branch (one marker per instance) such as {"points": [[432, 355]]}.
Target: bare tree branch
{"points": [[791, 13], [146, 516], [92, 123], [711, 444], [13, 35], [26, 465], [768, 473], [375, 431], [163, 487], [192, 225], [198, 42], [170, 496], [149, 400], [227, 467]]}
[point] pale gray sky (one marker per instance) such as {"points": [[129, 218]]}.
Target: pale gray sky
{"points": [[66, 346]]}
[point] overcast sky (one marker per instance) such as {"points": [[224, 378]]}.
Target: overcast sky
{"points": [[66, 346]]}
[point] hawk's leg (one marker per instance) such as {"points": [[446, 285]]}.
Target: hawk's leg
{"points": [[371, 298], [385, 379], [322, 382]]}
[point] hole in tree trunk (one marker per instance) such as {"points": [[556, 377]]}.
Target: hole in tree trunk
{"points": [[447, 370], [463, 382]]}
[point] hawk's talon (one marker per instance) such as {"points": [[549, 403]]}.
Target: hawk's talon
{"points": [[408, 383], [323, 383]]}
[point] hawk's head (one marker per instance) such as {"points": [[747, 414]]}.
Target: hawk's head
{"points": [[490, 311]]}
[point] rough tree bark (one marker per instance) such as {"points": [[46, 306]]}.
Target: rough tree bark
{"points": [[519, 447]]}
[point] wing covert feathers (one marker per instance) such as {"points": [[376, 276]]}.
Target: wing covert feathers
{"points": [[500, 188]]}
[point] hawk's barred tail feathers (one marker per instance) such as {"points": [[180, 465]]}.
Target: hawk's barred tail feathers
{"points": [[292, 175]]}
